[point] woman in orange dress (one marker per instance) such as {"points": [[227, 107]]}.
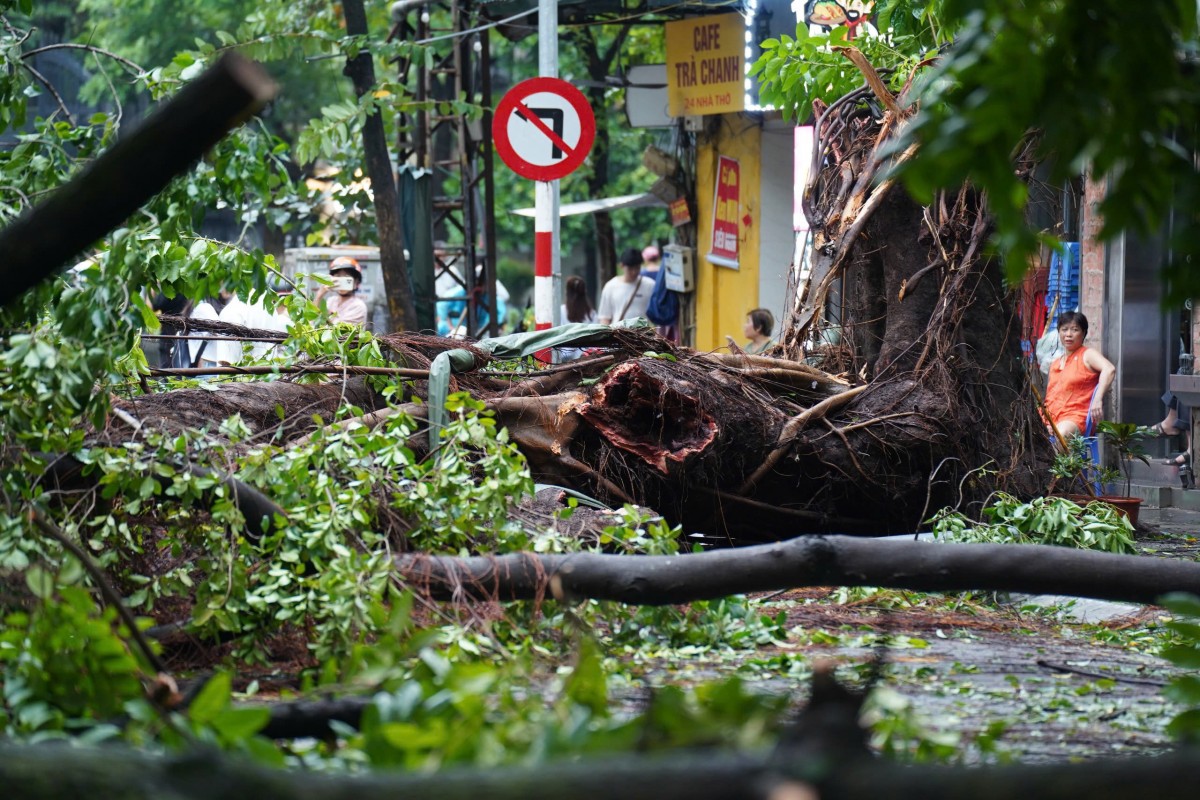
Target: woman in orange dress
{"points": [[1079, 379]]}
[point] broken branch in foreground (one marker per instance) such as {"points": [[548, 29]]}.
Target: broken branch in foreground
{"points": [[52, 771], [804, 561]]}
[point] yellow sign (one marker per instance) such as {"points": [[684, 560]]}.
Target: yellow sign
{"points": [[706, 65]]}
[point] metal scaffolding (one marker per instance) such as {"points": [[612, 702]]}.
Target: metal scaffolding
{"points": [[457, 155]]}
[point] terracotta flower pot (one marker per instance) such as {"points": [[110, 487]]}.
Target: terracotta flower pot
{"points": [[1126, 506]]}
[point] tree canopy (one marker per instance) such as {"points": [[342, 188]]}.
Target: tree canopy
{"points": [[1098, 88]]}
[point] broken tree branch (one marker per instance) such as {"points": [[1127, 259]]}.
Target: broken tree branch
{"points": [[129, 173], [792, 427], [284, 369], [872, 77], [106, 590], [805, 561]]}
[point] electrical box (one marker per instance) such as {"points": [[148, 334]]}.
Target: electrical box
{"points": [[679, 264]]}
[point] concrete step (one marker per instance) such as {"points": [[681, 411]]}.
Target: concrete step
{"points": [[1156, 472], [1167, 496]]}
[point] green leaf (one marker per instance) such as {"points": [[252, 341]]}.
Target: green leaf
{"points": [[1182, 656], [1186, 726], [586, 684], [40, 582], [212, 699], [1184, 690], [238, 724]]}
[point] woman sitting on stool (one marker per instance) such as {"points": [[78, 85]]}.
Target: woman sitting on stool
{"points": [[1079, 379]]}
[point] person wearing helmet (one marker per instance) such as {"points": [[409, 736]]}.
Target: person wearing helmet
{"points": [[342, 297], [651, 260]]}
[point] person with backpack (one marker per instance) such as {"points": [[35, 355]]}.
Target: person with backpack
{"points": [[663, 309]]}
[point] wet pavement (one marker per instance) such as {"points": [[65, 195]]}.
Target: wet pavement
{"points": [[1045, 679], [1083, 683]]}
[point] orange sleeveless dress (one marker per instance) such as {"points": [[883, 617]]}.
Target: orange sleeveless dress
{"points": [[1070, 388]]}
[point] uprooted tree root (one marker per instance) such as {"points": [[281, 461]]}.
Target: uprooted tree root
{"points": [[929, 325]]}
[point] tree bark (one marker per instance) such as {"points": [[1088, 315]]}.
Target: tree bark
{"points": [[51, 772], [361, 70], [744, 448], [801, 562], [287, 409], [905, 296]]}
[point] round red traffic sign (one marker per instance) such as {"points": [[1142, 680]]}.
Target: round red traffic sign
{"points": [[543, 128]]}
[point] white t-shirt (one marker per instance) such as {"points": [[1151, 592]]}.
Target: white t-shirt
{"points": [[204, 311], [571, 353], [616, 294], [248, 315], [562, 315]]}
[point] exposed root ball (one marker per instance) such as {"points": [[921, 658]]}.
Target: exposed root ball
{"points": [[641, 414]]}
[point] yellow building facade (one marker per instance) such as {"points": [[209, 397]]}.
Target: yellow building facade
{"points": [[725, 295]]}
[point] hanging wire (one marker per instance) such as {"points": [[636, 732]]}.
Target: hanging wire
{"points": [[477, 28]]}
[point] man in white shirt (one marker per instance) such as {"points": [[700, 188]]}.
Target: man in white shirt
{"points": [[202, 353], [248, 315], [627, 295]]}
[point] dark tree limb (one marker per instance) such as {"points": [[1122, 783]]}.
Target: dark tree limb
{"points": [[44, 81], [311, 718], [133, 67], [805, 561], [53, 771], [289, 369], [129, 173], [106, 590], [65, 473], [361, 71], [187, 324]]}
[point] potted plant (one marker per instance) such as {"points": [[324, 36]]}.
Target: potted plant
{"points": [[1076, 467], [1082, 478], [1126, 438]]}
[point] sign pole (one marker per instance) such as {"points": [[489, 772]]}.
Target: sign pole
{"points": [[543, 129], [547, 265]]}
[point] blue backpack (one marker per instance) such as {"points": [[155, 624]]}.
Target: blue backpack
{"points": [[664, 304]]}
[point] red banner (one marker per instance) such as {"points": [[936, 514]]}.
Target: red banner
{"points": [[680, 215], [726, 208]]}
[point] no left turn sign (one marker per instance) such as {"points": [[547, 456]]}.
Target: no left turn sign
{"points": [[543, 128]]}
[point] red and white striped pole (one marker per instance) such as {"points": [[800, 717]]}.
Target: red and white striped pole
{"points": [[543, 256], [546, 261]]}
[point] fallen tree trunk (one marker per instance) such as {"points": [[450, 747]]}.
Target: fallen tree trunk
{"points": [[51, 772], [806, 561], [738, 446], [285, 408]]}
